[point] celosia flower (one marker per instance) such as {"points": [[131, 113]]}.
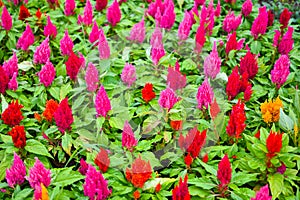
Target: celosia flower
{"points": [[41, 193], [167, 19], [16, 173], [42, 52], [18, 136], [23, 13], [103, 47], [218, 9], [73, 65], [247, 8], [249, 64], [95, 186], [102, 102], [271, 110], [66, 45], [167, 98], [92, 77], [270, 18], [94, 35], [188, 160], [280, 71], [39, 174], [83, 167], [274, 144], [260, 24], [224, 173], [157, 47], [181, 191], [147, 92], [157, 187], [175, 80], [263, 194], [13, 83], [285, 18], [102, 160], [185, 26], [26, 39], [156, 38], [4, 80], [11, 66], [276, 38], [236, 124], [63, 116], [200, 38], [50, 109], [212, 63], [101, 5], [154, 7], [50, 28], [6, 19], [194, 12], [139, 172], [230, 1], [38, 14], [205, 158], [176, 124], [192, 142], [88, 13], [233, 44], [128, 139], [47, 74], [138, 32], [12, 115], [287, 42], [231, 22], [157, 54], [69, 7], [199, 2], [233, 84], [248, 92], [281, 169], [128, 75], [214, 109], [205, 95], [113, 14]]}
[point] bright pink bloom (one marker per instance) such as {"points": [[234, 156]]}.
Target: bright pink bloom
{"points": [[39, 174], [95, 186], [181, 191], [247, 8], [128, 75], [249, 64], [276, 38], [4, 80], [154, 7], [73, 65], [285, 18], [205, 95], [236, 124], [16, 173], [13, 83], [102, 102], [6, 19], [128, 139], [70, 5], [231, 22], [287, 42], [233, 44], [200, 38], [260, 24], [157, 54], [26, 39], [212, 63], [224, 173], [175, 80], [138, 32], [199, 2], [263, 194], [113, 14], [167, 18], [157, 50], [185, 26], [156, 38], [66, 45], [42, 52], [92, 77], [94, 35], [218, 9], [280, 71], [194, 12], [11, 66], [47, 74], [50, 29], [103, 47], [88, 13], [167, 98], [63, 116], [101, 5]]}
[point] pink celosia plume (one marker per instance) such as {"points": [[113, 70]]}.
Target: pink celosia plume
{"points": [[6, 19], [66, 44], [42, 52], [260, 24], [205, 95], [103, 47], [26, 39], [212, 63], [128, 75], [47, 74], [128, 139], [92, 77], [280, 71], [113, 14], [102, 102], [50, 28], [70, 6], [138, 32], [16, 173], [167, 98]]}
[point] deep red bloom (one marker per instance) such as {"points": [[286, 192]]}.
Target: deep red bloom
{"points": [[101, 4], [257, 135], [176, 124], [4, 80], [205, 158], [285, 18], [139, 172], [18, 136], [12, 115], [147, 92], [102, 160], [158, 187], [136, 195], [83, 167], [63, 116], [224, 173], [214, 109], [233, 84], [38, 14], [73, 65], [50, 109], [249, 64], [274, 144], [193, 141], [188, 160], [236, 124], [24, 13], [270, 17], [181, 191]]}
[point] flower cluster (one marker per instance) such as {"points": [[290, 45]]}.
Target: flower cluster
{"points": [[280, 71], [128, 139], [175, 80], [205, 95], [270, 110], [236, 124], [181, 191], [50, 109], [102, 160], [16, 173], [147, 92], [18, 136], [167, 98], [102, 102], [224, 174], [63, 116], [12, 115]]}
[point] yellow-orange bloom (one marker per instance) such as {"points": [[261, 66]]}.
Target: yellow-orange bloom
{"points": [[270, 110]]}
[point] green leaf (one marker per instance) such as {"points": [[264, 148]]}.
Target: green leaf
{"points": [[242, 178], [22, 194], [285, 122], [256, 46], [276, 184], [34, 146], [65, 177], [3, 103], [67, 143], [25, 66], [54, 91]]}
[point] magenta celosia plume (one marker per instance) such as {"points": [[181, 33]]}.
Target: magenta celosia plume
{"points": [[63, 116], [39, 174], [263, 194], [205, 95], [128, 75], [200, 38], [157, 46], [102, 102], [50, 28], [128, 139], [166, 19], [231, 22], [138, 32], [47, 74], [212, 63], [6, 19], [103, 47], [13, 83], [101, 5], [94, 35], [73, 64], [4, 79], [233, 44], [113, 14], [42, 52], [11, 66], [26, 39], [92, 77], [260, 24], [285, 18], [280, 71], [185, 26], [287, 42], [70, 6], [247, 8], [66, 44], [167, 98], [16, 173], [276, 38], [218, 9]]}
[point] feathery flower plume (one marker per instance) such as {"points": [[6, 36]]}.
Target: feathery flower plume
{"points": [[50, 28], [4, 80], [147, 92], [231, 22], [236, 124], [233, 44], [199, 2], [200, 38], [18, 136], [218, 9], [167, 98], [233, 84], [113, 14], [185, 26], [69, 7], [12, 115], [102, 160], [138, 32], [63, 116], [154, 7], [39, 174], [285, 18], [94, 35], [260, 23], [280, 71], [128, 139], [287, 42], [26, 39], [103, 47], [88, 13], [83, 167], [263, 194], [16, 173], [102, 102], [50, 109], [73, 65], [167, 18], [66, 45], [128, 75], [91, 77], [13, 83], [247, 8], [205, 95], [11, 66], [224, 174], [270, 18], [249, 65], [6, 19], [47, 74], [270, 110], [42, 52], [41, 193], [175, 80], [276, 38], [101, 5], [274, 144], [23, 13], [212, 63], [181, 191]]}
